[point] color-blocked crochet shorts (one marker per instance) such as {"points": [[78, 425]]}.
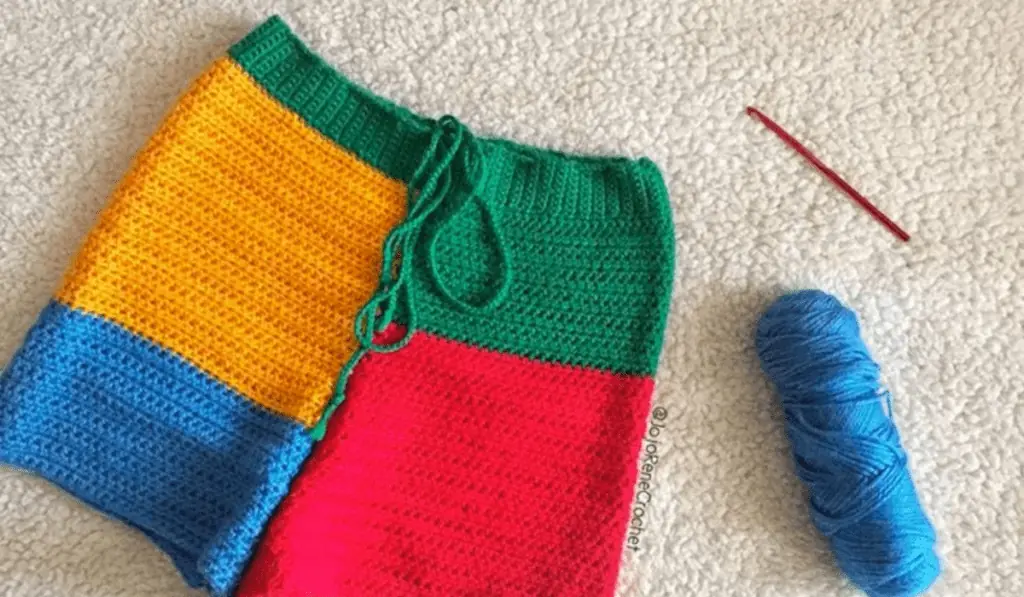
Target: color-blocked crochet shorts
{"points": [[469, 324]]}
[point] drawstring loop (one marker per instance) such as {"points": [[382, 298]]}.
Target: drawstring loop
{"points": [[452, 150], [476, 173]]}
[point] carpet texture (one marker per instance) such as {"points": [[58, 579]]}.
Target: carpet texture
{"points": [[917, 102]]}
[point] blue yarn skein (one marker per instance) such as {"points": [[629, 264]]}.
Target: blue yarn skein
{"points": [[845, 446]]}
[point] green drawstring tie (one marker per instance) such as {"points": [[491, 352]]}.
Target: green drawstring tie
{"points": [[452, 148]]}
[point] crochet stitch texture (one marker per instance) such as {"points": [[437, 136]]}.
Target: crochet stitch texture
{"points": [[482, 318]]}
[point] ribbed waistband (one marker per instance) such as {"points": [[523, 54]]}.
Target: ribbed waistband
{"points": [[561, 187]]}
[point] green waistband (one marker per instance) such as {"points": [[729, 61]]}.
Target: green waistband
{"points": [[589, 238]]}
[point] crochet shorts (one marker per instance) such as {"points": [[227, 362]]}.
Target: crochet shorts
{"points": [[470, 324]]}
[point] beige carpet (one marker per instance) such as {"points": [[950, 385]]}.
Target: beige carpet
{"points": [[917, 101]]}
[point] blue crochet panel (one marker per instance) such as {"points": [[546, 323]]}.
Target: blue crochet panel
{"points": [[147, 438]]}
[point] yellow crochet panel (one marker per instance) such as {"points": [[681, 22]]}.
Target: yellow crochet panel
{"points": [[245, 242]]}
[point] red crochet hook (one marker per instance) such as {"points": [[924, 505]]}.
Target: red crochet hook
{"points": [[830, 174]]}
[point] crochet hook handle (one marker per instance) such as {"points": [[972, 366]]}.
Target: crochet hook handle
{"points": [[830, 174]]}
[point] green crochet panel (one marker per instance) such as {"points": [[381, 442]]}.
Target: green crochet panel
{"points": [[589, 240]]}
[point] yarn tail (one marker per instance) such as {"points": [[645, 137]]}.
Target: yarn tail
{"points": [[320, 429]]}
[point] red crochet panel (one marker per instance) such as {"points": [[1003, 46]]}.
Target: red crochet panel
{"points": [[455, 471]]}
